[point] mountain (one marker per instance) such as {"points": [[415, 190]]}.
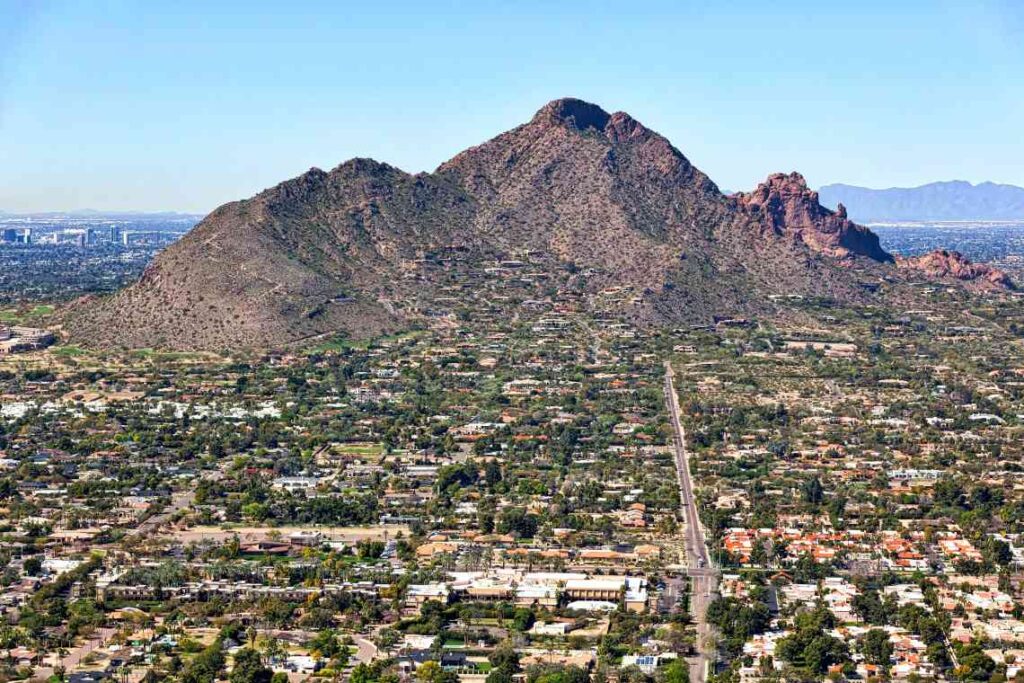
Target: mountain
{"points": [[596, 194], [786, 205], [952, 265], [955, 200]]}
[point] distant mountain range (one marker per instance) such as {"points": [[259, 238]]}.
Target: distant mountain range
{"points": [[92, 214], [954, 200], [596, 201]]}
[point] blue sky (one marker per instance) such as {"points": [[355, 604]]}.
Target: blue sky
{"points": [[181, 106]]}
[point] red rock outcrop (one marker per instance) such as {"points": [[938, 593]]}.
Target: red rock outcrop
{"points": [[785, 205], [948, 264]]}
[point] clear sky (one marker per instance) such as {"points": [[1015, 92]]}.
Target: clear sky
{"points": [[180, 105]]}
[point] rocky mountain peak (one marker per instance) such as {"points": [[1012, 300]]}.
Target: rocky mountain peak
{"points": [[582, 116], [622, 127], [785, 205], [787, 193], [573, 113]]}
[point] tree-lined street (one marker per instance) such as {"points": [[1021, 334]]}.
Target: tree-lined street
{"points": [[703, 575]]}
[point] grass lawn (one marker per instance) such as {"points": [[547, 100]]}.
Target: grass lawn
{"points": [[334, 345], [15, 316], [68, 351], [361, 449]]}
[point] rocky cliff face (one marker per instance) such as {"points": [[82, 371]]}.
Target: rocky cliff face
{"points": [[786, 206], [943, 264], [326, 252]]}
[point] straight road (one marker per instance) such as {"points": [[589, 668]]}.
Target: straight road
{"points": [[703, 575]]}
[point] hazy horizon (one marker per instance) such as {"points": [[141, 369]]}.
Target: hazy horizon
{"points": [[86, 211], [129, 106]]}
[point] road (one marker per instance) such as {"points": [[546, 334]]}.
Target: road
{"points": [[74, 655], [181, 500], [672, 593], [702, 573], [365, 650]]}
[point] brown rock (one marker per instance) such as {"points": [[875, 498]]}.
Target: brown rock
{"points": [[949, 264], [786, 206], [334, 251]]}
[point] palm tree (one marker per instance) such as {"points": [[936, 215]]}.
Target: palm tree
{"points": [[272, 649]]}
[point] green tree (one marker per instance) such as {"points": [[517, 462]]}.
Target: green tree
{"points": [[205, 666], [876, 647], [518, 521], [812, 491], [676, 672], [809, 646], [556, 673], [431, 672], [975, 665], [737, 620], [505, 658], [249, 668]]}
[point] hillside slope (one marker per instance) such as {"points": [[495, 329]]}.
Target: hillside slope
{"points": [[326, 252]]}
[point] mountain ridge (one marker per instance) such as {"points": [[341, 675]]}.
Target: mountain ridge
{"points": [[351, 250], [939, 201]]}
